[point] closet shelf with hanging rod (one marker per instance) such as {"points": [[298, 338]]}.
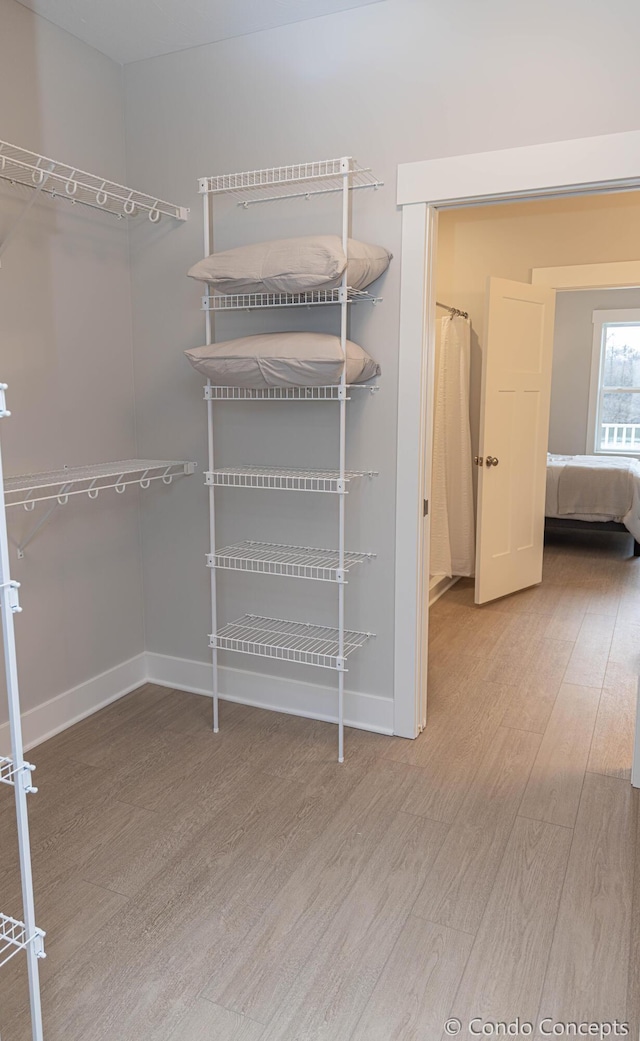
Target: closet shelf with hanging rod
{"points": [[41, 175], [310, 298], [29, 489], [60, 180], [290, 182], [57, 486]]}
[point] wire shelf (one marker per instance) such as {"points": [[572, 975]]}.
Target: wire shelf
{"points": [[9, 771], [310, 298], [334, 392], [77, 186], [290, 182], [14, 938], [288, 641], [267, 558], [286, 480], [28, 489]]}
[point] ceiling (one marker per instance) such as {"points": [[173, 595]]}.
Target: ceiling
{"points": [[130, 30]]}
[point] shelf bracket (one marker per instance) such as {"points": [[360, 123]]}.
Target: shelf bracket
{"points": [[25, 209], [13, 600], [25, 777], [41, 523], [38, 943]]}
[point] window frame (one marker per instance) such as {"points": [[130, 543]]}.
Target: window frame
{"points": [[619, 316]]}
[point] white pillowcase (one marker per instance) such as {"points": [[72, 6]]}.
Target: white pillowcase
{"points": [[282, 360], [292, 266]]}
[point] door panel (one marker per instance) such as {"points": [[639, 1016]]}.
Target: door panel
{"points": [[514, 424]]}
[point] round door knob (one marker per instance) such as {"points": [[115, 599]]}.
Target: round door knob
{"points": [[492, 461]]}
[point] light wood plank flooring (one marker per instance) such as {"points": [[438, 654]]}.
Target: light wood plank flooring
{"points": [[245, 887]]}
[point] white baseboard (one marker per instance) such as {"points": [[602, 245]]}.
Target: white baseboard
{"points": [[364, 711], [68, 708], [438, 585]]}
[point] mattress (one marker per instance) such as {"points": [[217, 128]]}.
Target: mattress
{"points": [[611, 486]]}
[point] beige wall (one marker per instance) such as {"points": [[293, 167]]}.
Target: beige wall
{"points": [[66, 353], [508, 241]]}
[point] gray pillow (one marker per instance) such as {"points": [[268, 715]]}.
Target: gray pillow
{"points": [[282, 360], [292, 266]]}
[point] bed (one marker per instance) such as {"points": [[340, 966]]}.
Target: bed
{"points": [[599, 493]]}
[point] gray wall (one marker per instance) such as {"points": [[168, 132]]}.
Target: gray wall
{"points": [[65, 351], [572, 346], [393, 82], [398, 81]]}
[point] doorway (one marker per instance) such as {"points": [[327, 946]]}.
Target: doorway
{"points": [[608, 163], [511, 239]]}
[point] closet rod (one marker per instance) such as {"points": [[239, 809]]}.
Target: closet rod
{"points": [[452, 310]]}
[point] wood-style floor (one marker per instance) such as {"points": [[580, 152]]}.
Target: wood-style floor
{"points": [[245, 887]]}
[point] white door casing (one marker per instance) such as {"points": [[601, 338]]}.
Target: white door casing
{"points": [[514, 428]]}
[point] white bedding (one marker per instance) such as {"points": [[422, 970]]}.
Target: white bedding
{"points": [[602, 476]]}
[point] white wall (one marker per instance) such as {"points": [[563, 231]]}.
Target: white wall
{"points": [[397, 81], [65, 351], [572, 345]]}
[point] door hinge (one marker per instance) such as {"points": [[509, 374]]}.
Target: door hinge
{"points": [[425, 507]]}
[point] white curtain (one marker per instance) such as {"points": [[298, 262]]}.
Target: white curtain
{"points": [[452, 514]]}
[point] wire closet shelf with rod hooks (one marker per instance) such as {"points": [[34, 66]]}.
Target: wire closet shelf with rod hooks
{"points": [[45, 177], [292, 641]]}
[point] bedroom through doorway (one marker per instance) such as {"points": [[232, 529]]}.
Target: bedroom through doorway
{"points": [[561, 653]]}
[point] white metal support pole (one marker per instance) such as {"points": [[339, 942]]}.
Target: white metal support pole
{"points": [[345, 166], [211, 466], [9, 603]]}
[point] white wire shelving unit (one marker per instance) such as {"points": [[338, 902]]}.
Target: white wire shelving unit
{"points": [[290, 641], [17, 935], [267, 558], [58, 486], [20, 166], [291, 182], [299, 642], [278, 479], [334, 392], [310, 298]]}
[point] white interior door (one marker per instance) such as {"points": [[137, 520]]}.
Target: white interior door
{"points": [[514, 430]]}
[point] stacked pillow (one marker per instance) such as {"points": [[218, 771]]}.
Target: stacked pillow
{"points": [[282, 360], [287, 266], [292, 266]]}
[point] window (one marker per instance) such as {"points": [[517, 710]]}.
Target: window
{"points": [[614, 399]]}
